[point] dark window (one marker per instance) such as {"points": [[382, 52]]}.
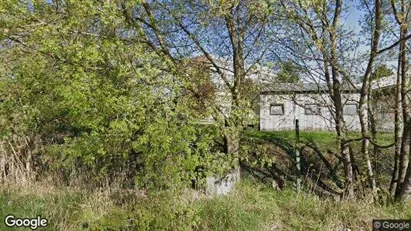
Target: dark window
{"points": [[350, 109], [277, 109], [312, 109]]}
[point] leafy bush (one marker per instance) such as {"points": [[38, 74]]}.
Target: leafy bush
{"points": [[100, 108]]}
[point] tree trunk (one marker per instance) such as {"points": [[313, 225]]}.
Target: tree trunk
{"points": [[371, 176], [348, 170], [344, 146], [3, 162], [403, 157], [366, 91], [405, 190], [365, 142], [372, 124], [397, 132], [232, 142]]}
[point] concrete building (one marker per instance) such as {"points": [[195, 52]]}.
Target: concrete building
{"points": [[310, 103]]}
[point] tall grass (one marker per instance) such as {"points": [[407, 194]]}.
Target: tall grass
{"points": [[252, 206], [256, 207]]}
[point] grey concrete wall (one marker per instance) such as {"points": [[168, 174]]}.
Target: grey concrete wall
{"points": [[222, 185]]}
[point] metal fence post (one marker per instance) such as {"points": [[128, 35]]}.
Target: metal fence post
{"points": [[297, 154]]}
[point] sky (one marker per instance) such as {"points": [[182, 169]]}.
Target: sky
{"points": [[352, 21], [354, 16]]}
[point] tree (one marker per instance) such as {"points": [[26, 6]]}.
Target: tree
{"points": [[401, 184], [288, 73], [320, 25], [229, 36], [381, 71], [317, 25], [366, 90], [92, 101], [322, 46]]}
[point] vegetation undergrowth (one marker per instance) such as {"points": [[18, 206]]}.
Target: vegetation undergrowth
{"points": [[252, 206], [324, 137]]}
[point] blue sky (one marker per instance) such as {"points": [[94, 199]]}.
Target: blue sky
{"points": [[354, 15], [352, 21]]}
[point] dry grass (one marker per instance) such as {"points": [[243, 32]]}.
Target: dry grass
{"points": [[255, 207], [251, 206]]}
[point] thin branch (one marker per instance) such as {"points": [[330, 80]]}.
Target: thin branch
{"points": [[394, 44]]}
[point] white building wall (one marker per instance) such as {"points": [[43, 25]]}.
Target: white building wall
{"points": [[294, 108]]}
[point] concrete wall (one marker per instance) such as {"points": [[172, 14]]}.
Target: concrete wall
{"points": [[222, 185], [294, 107]]}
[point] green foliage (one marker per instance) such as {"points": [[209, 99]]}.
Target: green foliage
{"points": [[78, 210], [381, 71], [92, 96], [59, 207], [252, 206], [288, 73], [246, 209], [323, 138], [164, 212], [159, 211]]}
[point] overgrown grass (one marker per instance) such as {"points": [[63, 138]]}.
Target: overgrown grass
{"points": [[61, 207], [252, 206]]}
